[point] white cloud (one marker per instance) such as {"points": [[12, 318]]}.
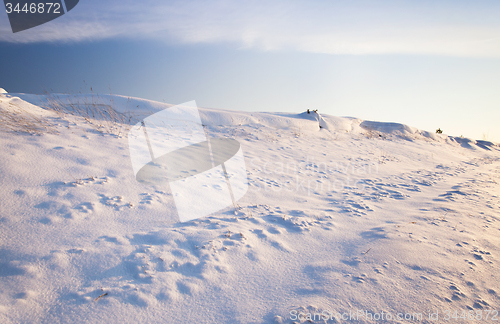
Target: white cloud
{"points": [[456, 28]]}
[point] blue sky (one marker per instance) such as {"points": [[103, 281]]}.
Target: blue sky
{"points": [[428, 64]]}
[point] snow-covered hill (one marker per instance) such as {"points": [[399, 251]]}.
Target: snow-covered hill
{"points": [[342, 217]]}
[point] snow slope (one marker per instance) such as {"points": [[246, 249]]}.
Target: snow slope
{"points": [[356, 216]]}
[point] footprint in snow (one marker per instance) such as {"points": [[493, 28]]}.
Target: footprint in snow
{"points": [[260, 233], [374, 233]]}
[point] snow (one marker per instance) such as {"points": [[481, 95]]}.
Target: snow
{"points": [[353, 216]]}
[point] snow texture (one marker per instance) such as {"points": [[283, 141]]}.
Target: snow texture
{"points": [[341, 215]]}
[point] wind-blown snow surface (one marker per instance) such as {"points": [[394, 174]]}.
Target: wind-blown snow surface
{"points": [[355, 216]]}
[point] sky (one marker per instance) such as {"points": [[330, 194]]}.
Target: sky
{"points": [[428, 64]]}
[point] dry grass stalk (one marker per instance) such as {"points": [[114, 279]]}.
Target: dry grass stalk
{"points": [[17, 119], [105, 294], [96, 111]]}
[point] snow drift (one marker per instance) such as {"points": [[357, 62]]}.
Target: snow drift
{"points": [[353, 216]]}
